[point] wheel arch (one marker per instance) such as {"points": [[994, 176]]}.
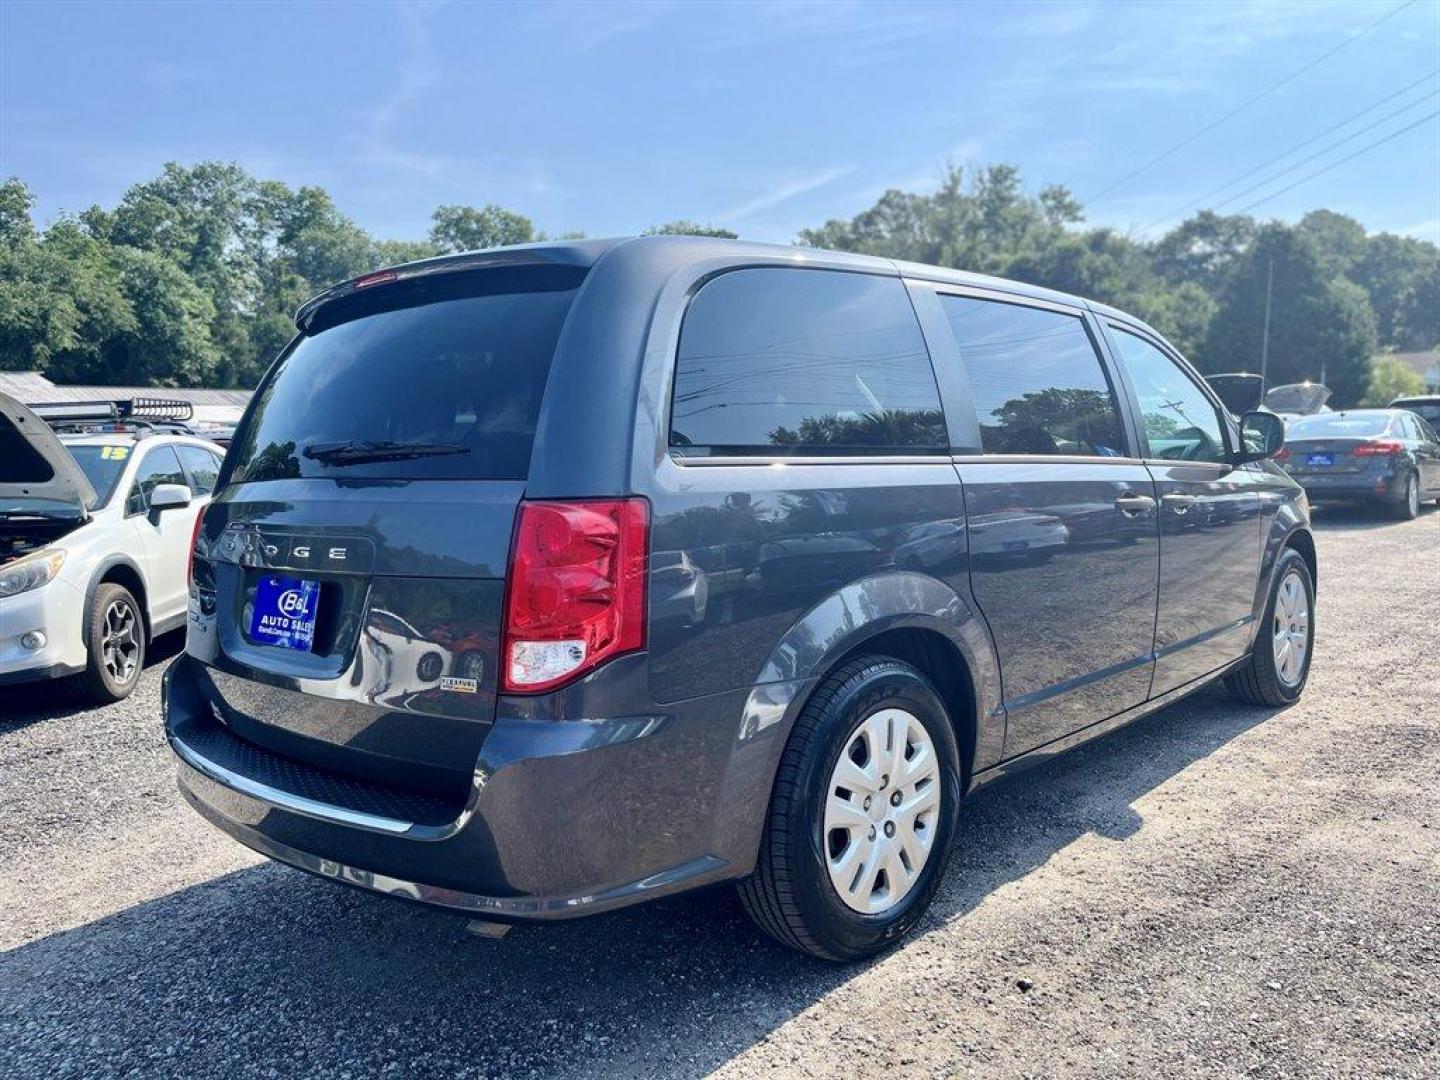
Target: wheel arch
{"points": [[910, 616], [939, 659], [119, 570], [1303, 541]]}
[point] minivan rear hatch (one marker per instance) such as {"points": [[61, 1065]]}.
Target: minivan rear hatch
{"points": [[350, 573]]}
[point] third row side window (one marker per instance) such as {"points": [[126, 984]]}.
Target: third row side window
{"points": [[1036, 379], [780, 361]]}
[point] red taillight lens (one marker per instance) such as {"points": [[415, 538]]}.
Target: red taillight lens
{"points": [[1378, 448], [194, 536], [1281, 454], [576, 591], [380, 277]]}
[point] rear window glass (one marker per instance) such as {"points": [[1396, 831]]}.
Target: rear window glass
{"points": [[1337, 424], [430, 378], [782, 361], [1037, 380], [1430, 410]]}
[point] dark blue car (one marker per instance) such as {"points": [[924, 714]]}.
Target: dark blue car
{"points": [[1380, 457], [546, 580]]}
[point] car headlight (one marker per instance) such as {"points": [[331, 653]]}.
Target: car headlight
{"points": [[30, 572]]}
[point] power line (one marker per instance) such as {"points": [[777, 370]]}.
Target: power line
{"points": [[1323, 151], [1336, 164], [1298, 146], [1246, 104]]}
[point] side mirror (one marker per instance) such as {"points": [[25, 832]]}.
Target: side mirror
{"points": [[1262, 434], [169, 497]]}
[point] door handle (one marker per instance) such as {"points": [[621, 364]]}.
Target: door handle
{"points": [[1131, 505], [1178, 503]]}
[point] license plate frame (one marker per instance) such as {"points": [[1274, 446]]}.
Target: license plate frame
{"points": [[283, 615]]}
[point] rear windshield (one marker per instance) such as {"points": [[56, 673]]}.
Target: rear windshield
{"points": [[1337, 425], [436, 378], [1430, 410]]}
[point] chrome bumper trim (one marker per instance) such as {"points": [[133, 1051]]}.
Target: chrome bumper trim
{"points": [[286, 800]]}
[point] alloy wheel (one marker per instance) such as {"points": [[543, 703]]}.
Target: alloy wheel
{"points": [[120, 641], [1412, 496], [1291, 631], [882, 806]]}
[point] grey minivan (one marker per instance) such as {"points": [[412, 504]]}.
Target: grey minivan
{"points": [[546, 580]]}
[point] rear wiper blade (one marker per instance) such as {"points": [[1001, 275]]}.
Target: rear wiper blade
{"points": [[362, 450]]}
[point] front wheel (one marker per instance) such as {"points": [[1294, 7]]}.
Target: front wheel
{"points": [[1279, 662], [864, 805], [114, 643]]}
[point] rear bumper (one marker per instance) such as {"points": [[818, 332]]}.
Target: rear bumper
{"points": [[1352, 487], [566, 817]]}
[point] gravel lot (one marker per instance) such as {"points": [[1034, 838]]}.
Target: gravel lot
{"points": [[1216, 890]]}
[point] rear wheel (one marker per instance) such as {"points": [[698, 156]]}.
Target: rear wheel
{"points": [[1279, 663], [864, 805], [114, 644], [1408, 508]]}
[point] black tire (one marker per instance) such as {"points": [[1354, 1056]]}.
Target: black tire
{"points": [[98, 683], [790, 894], [1257, 681], [1408, 508]]}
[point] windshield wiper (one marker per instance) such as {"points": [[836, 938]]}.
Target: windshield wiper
{"points": [[362, 450]]}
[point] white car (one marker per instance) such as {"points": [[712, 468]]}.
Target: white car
{"points": [[95, 534]]}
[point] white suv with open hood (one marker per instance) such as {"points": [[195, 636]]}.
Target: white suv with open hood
{"points": [[95, 534]]}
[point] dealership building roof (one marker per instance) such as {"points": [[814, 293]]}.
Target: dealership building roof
{"points": [[212, 406]]}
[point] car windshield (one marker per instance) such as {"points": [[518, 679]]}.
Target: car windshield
{"points": [[436, 378], [1327, 425], [102, 466]]}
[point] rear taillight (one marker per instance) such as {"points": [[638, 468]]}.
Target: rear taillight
{"points": [[194, 536], [380, 277], [1378, 448], [576, 591], [1281, 454]]}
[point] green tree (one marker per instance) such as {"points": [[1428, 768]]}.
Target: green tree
{"points": [[690, 228], [1204, 250], [1339, 241], [1417, 316], [1391, 378], [1390, 268], [465, 228], [1320, 329]]}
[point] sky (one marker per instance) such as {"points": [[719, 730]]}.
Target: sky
{"points": [[765, 118]]}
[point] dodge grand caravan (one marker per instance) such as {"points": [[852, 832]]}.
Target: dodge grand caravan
{"points": [[545, 580]]}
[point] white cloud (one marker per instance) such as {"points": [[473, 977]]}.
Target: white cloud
{"points": [[781, 190], [1046, 20], [376, 141]]}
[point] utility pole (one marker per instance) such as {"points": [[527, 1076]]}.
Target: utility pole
{"points": [[1265, 338]]}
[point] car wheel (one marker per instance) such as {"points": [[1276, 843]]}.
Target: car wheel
{"points": [[114, 645], [860, 821], [1279, 661], [1408, 508]]}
